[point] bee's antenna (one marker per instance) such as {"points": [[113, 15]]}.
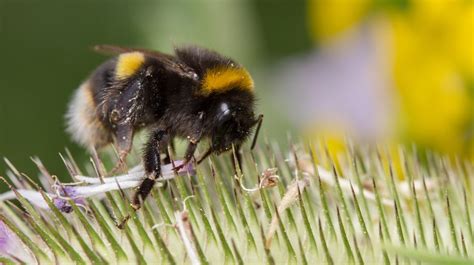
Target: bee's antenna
{"points": [[258, 122]]}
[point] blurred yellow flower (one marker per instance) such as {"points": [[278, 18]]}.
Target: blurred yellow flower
{"points": [[430, 44], [330, 17]]}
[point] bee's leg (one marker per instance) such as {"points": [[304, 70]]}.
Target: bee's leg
{"points": [[124, 138], [189, 154], [204, 156], [166, 150], [238, 157], [167, 159], [152, 165]]}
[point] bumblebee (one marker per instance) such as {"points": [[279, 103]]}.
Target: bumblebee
{"points": [[194, 94]]}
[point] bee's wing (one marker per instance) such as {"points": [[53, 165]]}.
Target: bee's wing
{"points": [[114, 49], [168, 61]]}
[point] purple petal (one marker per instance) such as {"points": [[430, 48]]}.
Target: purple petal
{"points": [[78, 193], [185, 170], [343, 84], [11, 245], [66, 193]]}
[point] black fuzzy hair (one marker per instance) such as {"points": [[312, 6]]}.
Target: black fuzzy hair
{"points": [[201, 59]]}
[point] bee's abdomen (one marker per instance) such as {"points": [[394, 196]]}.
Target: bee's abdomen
{"points": [[83, 123]]}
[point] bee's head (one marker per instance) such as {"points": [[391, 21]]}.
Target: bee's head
{"points": [[227, 89], [232, 125]]}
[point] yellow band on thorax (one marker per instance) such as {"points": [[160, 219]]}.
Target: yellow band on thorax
{"points": [[128, 64], [222, 79]]}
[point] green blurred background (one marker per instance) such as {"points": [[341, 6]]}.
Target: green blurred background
{"points": [[424, 48]]}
